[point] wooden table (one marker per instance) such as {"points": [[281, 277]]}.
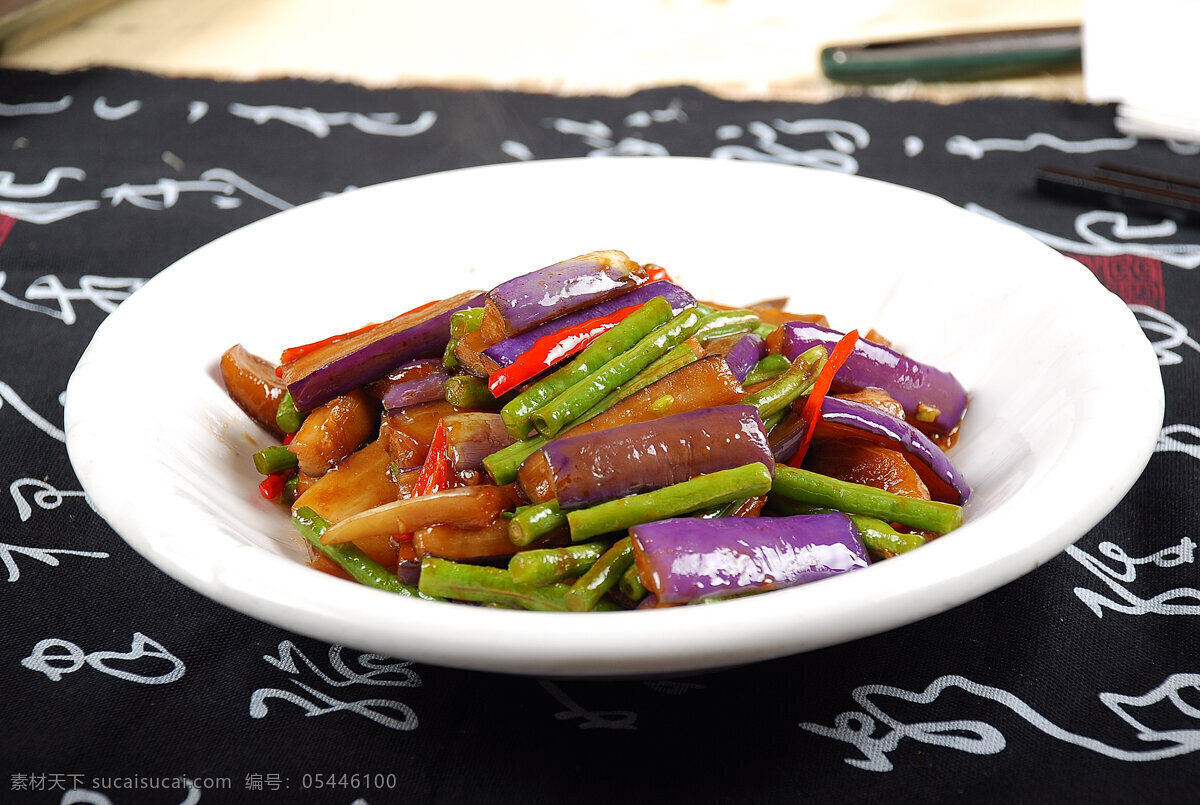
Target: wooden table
{"points": [[738, 49]]}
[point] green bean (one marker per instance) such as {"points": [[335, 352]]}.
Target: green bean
{"points": [[820, 490], [490, 585], [462, 322], [287, 417], [468, 391], [631, 585], [465, 321], [795, 382], [632, 329], [531, 523], [289, 489], [601, 577], [274, 459], [770, 366], [771, 422], [765, 329], [675, 500], [881, 538], [676, 358], [727, 322], [573, 403], [550, 565], [502, 465], [350, 557], [449, 360]]}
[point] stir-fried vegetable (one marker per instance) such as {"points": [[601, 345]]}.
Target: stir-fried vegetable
{"points": [[589, 437]]}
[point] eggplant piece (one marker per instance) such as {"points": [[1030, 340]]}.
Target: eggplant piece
{"points": [[252, 384], [334, 430], [475, 544], [847, 418], [418, 381], [469, 352], [422, 390], [741, 351], [410, 430], [928, 394], [471, 436], [504, 352], [860, 461], [704, 383], [689, 559], [360, 482], [523, 303], [335, 369], [640, 457]]}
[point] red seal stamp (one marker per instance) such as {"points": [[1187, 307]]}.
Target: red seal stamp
{"points": [[1137, 280]]}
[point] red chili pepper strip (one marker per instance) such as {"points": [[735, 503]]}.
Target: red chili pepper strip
{"points": [[435, 472], [552, 348], [812, 406], [271, 487], [292, 353], [654, 273]]}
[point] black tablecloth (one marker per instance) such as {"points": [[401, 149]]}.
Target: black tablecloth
{"points": [[1079, 682]]}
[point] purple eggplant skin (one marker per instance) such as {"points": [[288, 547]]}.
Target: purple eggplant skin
{"points": [[688, 559], [639, 457], [508, 350], [872, 421], [473, 435], [917, 386], [336, 369], [747, 351], [532, 299], [424, 389]]}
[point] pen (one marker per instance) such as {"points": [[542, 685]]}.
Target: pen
{"points": [[955, 57]]}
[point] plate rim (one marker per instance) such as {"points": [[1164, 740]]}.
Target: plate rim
{"points": [[227, 582]]}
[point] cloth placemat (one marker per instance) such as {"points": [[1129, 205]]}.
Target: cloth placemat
{"points": [[1079, 682]]}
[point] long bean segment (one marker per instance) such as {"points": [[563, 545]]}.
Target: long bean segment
{"points": [[767, 368], [573, 403], [350, 557], [678, 499], [550, 565], [461, 322], [274, 458], [630, 331], [287, 417], [468, 391], [484, 584], [631, 585], [820, 490], [881, 538], [531, 523], [504, 463], [728, 322], [791, 385], [601, 577]]}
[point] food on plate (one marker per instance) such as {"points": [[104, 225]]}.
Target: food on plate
{"points": [[589, 436]]}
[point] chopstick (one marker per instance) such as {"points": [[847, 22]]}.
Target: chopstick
{"points": [[1125, 188]]}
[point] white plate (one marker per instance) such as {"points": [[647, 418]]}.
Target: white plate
{"points": [[165, 456]]}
